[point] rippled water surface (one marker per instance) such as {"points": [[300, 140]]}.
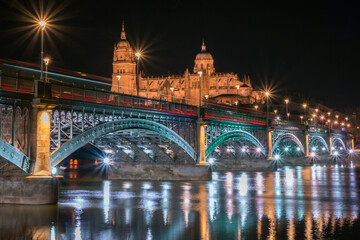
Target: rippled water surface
{"points": [[292, 203]]}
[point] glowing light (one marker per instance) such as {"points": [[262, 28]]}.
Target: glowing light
{"points": [[313, 148], [53, 171], [312, 154], [108, 151], [336, 153], [304, 105], [243, 149], [42, 24], [106, 160], [138, 55], [147, 151], [286, 101], [286, 149], [258, 149], [211, 161], [256, 107], [45, 118], [297, 148], [277, 157], [323, 148], [46, 60], [127, 151], [351, 151]]}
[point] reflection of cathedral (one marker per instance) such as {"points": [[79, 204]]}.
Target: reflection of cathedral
{"points": [[215, 86]]}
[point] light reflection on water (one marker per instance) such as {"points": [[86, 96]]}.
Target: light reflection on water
{"points": [[291, 203]]}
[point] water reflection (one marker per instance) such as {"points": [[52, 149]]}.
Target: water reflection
{"points": [[291, 203]]}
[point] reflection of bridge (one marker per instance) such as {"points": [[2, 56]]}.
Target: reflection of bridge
{"points": [[42, 124]]}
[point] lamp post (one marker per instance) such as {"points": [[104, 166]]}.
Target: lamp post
{"points": [[200, 75], [267, 94], [46, 61], [305, 106], [42, 26], [118, 78], [288, 116], [301, 119], [137, 72], [206, 97], [172, 94], [237, 96], [286, 106]]}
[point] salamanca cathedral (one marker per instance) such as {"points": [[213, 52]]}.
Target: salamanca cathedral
{"points": [[227, 88]]}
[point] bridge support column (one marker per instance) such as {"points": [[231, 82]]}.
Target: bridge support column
{"points": [[269, 133], [40, 142], [307, 144], [352, 143], [201, 143], [330, 145]]}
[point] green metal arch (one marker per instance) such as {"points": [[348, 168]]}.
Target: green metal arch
{"points": [[320, 139], [291, 136], [234, 134], [131, 123], [14, 156], [338, 139]]}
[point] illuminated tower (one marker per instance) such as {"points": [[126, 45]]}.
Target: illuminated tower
{"points": [[204, 62], [124, 67]]}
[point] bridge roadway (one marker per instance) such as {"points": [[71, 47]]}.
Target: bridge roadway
{"points": [[42, 123]]}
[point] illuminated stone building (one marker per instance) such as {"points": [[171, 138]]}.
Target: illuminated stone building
{"points": [[215, 86]]}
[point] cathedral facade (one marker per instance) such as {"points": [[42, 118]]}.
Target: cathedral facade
{"points": [[227, 88]]}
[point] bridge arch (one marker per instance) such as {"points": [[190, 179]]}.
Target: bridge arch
{"points": [[340, 141], [290, 136], [10, 153], [320, 139], [108, 127], [234, 134]]}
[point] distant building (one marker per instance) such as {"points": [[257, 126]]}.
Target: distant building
{"points": [[215, 86]]}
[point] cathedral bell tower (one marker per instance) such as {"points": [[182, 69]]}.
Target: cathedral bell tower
{"points": [[124, 67]]}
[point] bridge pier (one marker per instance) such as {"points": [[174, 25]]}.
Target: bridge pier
{"points": [[201, 143], [40, 187], [307, 134], [40, 142], [269, 138], [331, 145]]}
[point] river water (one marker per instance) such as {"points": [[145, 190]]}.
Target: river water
{"points": [[291, 203]]}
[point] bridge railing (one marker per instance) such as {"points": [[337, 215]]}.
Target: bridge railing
{"points": [[122, 100], [15, 84], [243, 117]]}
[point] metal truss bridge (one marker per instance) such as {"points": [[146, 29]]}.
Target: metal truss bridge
{"points": [[42, 123]]}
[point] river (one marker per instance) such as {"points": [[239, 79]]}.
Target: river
{"points": [[292, 203]]}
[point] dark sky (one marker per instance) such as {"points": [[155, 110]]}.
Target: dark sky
{"points": [[307, 47]]}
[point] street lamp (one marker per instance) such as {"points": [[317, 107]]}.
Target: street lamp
{"points": [[286, 106], [118, 78], [305, 106], [237, 96], [267, 94], [137, 72], [288, 115], [200, 74], [256, 107], [172, 95], [46, 61], [42, 26], [206, 97], [301, 118]]}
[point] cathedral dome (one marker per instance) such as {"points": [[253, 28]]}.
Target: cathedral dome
{"points": [[203, 55], [123, 44]]}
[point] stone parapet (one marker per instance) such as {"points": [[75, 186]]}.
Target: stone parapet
{"points": [[25, 190], [163, 172]]}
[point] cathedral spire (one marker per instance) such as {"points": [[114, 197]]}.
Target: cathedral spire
{"points": [[123, 36], [203, 47]]}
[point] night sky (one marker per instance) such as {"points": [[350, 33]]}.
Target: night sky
{"points": [[306, 47]]}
